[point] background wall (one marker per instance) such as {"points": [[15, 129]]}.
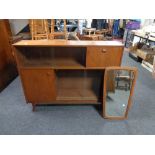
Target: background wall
{"points": [[17, 25]]}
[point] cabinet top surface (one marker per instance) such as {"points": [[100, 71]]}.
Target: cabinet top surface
{"points": [[66, 43]]}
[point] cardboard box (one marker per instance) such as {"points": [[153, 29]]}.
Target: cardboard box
{"points": [[147, 55]]}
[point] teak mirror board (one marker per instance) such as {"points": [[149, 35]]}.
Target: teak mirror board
{"points": [[119, 83]]}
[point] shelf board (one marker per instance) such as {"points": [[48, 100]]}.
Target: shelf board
{"points": [[60, 63], [76, 95]]}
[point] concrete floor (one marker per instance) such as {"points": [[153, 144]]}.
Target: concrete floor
{"points": [[16, 117]]}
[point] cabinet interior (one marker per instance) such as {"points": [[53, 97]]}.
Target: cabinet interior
{"points": [[57, 57], [74, 85]]}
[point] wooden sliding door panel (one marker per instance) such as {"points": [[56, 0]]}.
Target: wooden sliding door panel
{"points": [[84, 85], [103, 56], [39, 85]]}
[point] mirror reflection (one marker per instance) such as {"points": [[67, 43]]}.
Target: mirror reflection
{"points": [[118, 87]]}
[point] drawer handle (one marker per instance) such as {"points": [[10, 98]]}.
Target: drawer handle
{"points": [[104, 50]]}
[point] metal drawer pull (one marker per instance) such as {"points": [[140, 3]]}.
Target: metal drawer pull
{"points": [[104, 50]]}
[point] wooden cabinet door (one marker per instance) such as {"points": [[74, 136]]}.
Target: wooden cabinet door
{"points": [[39, 85], [104, 56]]}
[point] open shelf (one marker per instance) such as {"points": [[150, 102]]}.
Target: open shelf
{"points": [[53, 57], [57, 63], [76, 95], [79, 85]]}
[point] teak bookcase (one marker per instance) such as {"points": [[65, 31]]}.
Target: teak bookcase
{"points": [[65, 72]]}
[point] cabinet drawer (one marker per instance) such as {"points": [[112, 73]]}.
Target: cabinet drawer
{"points": [[104, 56]]}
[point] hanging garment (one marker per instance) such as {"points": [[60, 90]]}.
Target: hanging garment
{"points": [[88, 23], [94, 23], [111, 23], [116, 27], [80, 25], [121, 23], [99, 24], [124, 23], [104, 24]]}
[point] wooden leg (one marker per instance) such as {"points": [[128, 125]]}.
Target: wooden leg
{"points": [[102, 114], [27, 101], [33, 107]]}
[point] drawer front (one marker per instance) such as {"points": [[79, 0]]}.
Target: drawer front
{"points": [[104, 56]]}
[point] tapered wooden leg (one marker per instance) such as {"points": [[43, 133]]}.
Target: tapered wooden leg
{"points": [[33, 107]]}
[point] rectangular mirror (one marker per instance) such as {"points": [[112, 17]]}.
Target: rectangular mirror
{"points": [[119, 84]]}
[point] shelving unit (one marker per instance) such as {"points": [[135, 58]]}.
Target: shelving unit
{"points": [[144, 54], [65, 72]]}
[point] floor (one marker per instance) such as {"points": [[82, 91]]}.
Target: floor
{"points": [[16, 117]]}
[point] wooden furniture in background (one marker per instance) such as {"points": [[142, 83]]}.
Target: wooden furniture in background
{"points": [[89, 31], [8, 69], [39, 29], [54, 34], [102, 31], [92, 37], [65, 72]]}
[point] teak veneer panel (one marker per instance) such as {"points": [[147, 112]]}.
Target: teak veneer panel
{"points": [[104, 56], [63, 43]]}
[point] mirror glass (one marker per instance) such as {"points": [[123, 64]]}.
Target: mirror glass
{"points": [[118, 87]]}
